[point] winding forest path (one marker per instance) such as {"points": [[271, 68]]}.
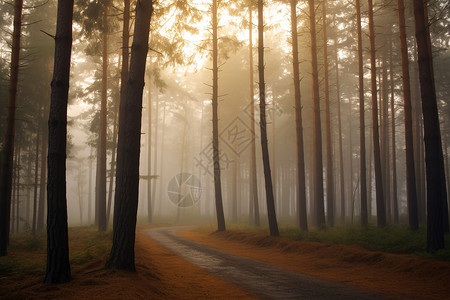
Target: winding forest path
{"points": [[256, 277]]}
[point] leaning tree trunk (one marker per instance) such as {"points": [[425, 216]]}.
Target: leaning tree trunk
{"points": [[411, 191], [273, 226], [128, 148], [301, 185], [381, 209], [8, 145], [362, 123], [58, 267], [215, 100], [254, 204], [317, 131], [436, 190]]}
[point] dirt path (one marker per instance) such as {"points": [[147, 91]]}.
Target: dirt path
{"points": [[258, 278]]}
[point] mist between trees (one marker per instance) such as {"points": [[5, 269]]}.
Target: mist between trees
{"points": [[326, 71]]}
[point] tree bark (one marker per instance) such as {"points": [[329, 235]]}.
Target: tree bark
{"points": [[8, 147], [381, 209], [273, 226], [128, 150], [301, 181], [215, 100], [317, 129], [58, 267], [436, 190]]}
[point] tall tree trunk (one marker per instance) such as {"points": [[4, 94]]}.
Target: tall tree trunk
{"points": [[215, 100], [329, 146], [155, 156], [58, 267], [273, 226], [254, 203], [128, 150], [394, 198], [436, 190], [386, 172], [341, 156], [362, 122], [411, 192], [381, 209], [8, 144], [301, 181], [103, 125], [317, 131], [149, 154]]}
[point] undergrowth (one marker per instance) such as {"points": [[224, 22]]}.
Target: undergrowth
{"points": [[27, 252], [393, 238]]}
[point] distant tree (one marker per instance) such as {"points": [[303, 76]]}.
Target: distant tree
{"points": [[381, 209], [215, 100], [319, 211], [58, 267], [436, 190], [273, 226], [301, 185], [6, 155], [329, 145], [254, 204], [362, 123], [127, 174]]}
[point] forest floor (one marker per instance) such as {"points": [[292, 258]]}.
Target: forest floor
{"points": [[162, 274]]}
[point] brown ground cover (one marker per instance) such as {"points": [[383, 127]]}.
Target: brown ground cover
{"points": [[395, 276], [160, 275]]}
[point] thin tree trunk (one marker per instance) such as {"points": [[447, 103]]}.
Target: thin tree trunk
{"points": [[329, 146], [254, 203], [128, 150], [36, 172], [317, 131], [301, 181], [149, 154], [436, 191], [58, 267], [155, 156], [394, 198], [273, 226], [103, 125], [341, 157], [362, 122], [215, 100], [411, 191], [8, 143], [381, 209]]}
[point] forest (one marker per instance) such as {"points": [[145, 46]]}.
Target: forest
{"points": [[308, 116]]}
